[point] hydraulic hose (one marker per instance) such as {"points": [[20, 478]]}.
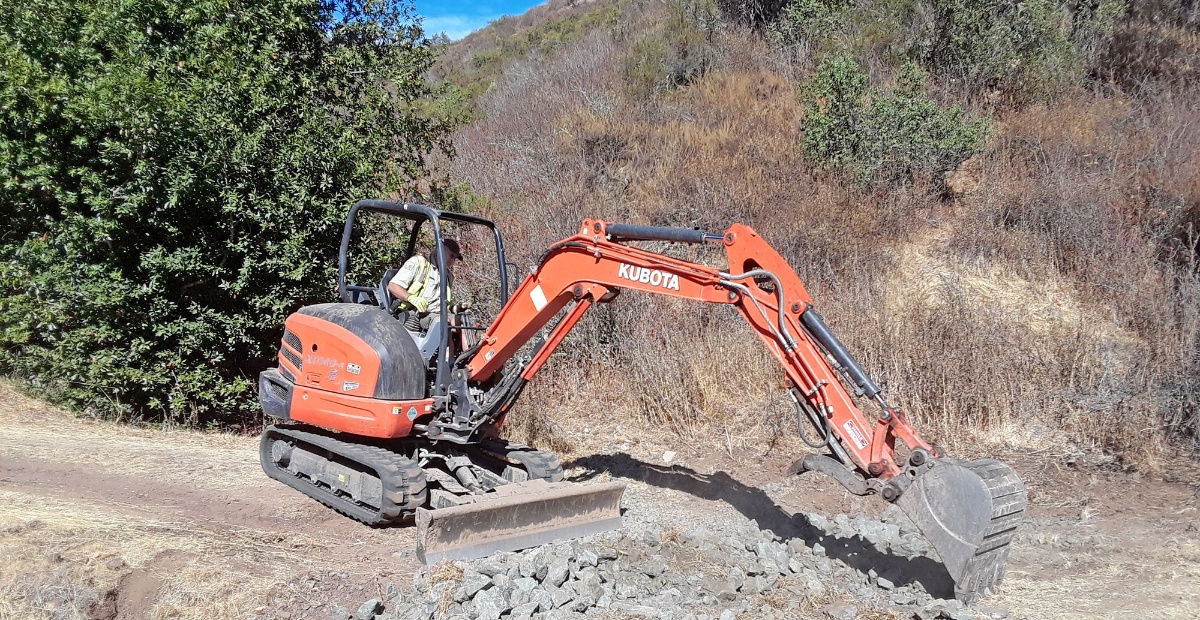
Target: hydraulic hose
{"points": [[803, 409], [788, 342]]}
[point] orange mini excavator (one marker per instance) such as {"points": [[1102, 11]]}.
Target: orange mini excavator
{"points": [[384, 424]]}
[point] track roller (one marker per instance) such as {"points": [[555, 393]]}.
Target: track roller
{"points": [[369, 484]]}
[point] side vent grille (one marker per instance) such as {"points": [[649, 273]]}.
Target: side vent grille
{"points": [[279, 390], [291, 349], [293, 358], [292, 340]]}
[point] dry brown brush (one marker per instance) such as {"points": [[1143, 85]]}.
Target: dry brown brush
{"points": [[1047, 300]]}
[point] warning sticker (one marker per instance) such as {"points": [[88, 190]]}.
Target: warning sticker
{"points": [[859, 438], [396, 410], [538, 298], [349, 385], [353, 369]]}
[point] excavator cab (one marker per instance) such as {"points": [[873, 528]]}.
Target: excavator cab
{"points": [[375, 419], [455, 329]]}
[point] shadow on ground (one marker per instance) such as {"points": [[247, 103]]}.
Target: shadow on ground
{"points": [[755, 504]]}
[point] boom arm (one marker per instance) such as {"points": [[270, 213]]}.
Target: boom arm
{"points": [[592, 267]]}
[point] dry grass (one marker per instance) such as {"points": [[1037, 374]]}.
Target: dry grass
{"points": [[1056, 305], [444, 571], [671, 536], [811, 604], [55, 557]]}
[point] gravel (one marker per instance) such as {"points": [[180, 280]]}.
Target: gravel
{"points": [[716, 571]]}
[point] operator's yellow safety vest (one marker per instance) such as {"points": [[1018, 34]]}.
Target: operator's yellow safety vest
{"points": [[424, 280]]}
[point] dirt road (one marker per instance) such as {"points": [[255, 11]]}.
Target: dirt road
{"points": [[107, 521], [104, 521]]}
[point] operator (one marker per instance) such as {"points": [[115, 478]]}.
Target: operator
{"points": [[418, 284]]}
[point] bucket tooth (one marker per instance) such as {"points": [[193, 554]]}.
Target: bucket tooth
{"points": [[969, 512], [525, 515]]}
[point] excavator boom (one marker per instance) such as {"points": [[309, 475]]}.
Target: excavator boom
{"points": [[969, 511]]}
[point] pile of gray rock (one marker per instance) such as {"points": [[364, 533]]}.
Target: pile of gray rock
{"points": [[652, 571]]}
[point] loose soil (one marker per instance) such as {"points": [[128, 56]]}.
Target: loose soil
{"points": [[105, 521]]}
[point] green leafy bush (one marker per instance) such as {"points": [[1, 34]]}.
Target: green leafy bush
{"points": [[175, 177], [880, 136], [675, 54], [808, 22], [1020, 47]]}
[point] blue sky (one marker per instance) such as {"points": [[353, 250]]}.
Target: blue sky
{"points": [[458, 19]]}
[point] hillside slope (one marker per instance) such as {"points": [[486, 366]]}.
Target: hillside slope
{"points": [[1042, 293]]}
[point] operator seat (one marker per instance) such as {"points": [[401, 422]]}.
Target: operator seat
{"points": [[386, 301], [428, 341]]}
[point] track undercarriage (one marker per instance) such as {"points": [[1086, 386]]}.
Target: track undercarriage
{"points": [[467, 500]]}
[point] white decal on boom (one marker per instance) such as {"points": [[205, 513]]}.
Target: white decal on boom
{"points": [[538, 298], [860, 440], [653, 277]]}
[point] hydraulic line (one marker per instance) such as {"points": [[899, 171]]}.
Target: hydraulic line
{"points": [[822, 428], [780, 338], [788, 342]]}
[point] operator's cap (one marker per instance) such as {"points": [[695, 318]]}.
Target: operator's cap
{"points": [[450, 247]]}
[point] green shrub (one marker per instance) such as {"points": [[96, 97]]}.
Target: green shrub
{"points": [[176, 176], [1026, 49], [1019, 47], [879, 136], [676, 53], [810, 22]]}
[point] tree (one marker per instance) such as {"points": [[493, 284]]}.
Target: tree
{"points": [[175, 175]]}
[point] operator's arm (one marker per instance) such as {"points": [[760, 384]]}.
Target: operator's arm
{"points": [[400, 283], [397, 291]]}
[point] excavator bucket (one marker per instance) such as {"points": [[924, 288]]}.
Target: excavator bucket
{"points": [[969, 512], [518, 516]]}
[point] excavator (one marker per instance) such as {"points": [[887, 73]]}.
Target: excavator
{"points": [[387, 423]]}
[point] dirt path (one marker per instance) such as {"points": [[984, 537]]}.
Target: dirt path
{"points": [[103, 521]]}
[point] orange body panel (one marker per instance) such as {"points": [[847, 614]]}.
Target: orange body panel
{"points": [[334, 359], [385, 419]]}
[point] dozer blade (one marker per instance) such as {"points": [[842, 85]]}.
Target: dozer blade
{"points": [[520, 516], [969, 512]]}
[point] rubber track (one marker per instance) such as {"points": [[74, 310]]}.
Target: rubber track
{"points": [[539, 464], [985, 570], [404, 484]]}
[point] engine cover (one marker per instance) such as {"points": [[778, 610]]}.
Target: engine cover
{"points": [[353, 349]]}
